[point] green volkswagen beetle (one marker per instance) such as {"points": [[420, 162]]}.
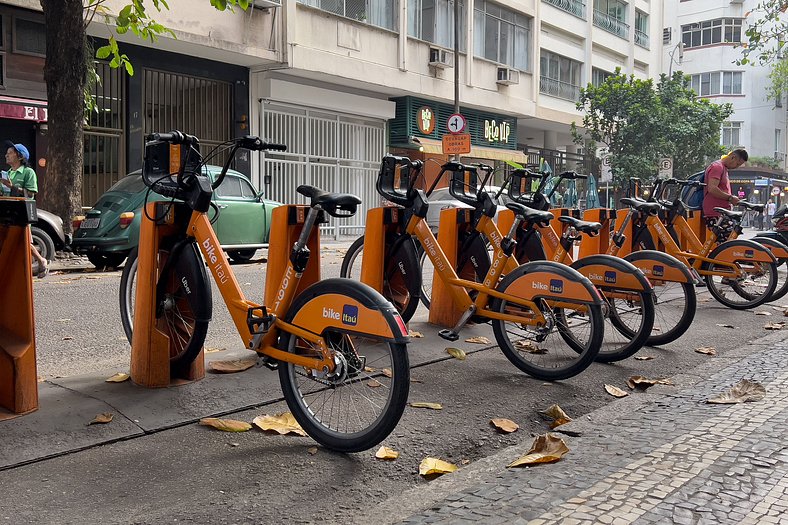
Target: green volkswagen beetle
{"points": [[111, 229]]}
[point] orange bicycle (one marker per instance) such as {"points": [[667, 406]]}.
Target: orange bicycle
{"points": [[340, 348]]}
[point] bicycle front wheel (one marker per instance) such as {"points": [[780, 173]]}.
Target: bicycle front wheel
{"points": [[563, 348]]}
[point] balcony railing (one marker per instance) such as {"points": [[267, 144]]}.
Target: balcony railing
{"points": [[556, 88], [610, 24], [641, 38], [576, 7]]}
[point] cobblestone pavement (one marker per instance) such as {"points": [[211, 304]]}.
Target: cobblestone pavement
{"points": [[672, 459]]}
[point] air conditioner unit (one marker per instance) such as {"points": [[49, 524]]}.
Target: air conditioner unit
{"points": [[508, 76], [266, 4], [737, 1], [440, 57]]}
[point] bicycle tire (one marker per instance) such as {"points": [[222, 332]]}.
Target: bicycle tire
{"points": [[750, 300], [361, 391], [571, 362], [183, 302], [782, 271], [401, 274]]}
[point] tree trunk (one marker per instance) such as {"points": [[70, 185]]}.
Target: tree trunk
{"points": [[65, 75]]}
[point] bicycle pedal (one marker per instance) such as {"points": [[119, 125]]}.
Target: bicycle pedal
{"points": [[267, 362], [449, 335]]}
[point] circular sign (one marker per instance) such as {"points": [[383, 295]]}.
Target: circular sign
{"points": [[425, 120], [775, 191], [456, 123], [666, 164]]}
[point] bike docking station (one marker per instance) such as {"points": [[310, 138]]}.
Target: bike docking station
{"points": [[598, 243], [380, 222], [18, 379], [150, 344], [287, 222]]}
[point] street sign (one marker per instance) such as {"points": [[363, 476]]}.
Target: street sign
{"points": [[606, 174], [775, 191], [665, 168], [456, 123], [457, 144]]}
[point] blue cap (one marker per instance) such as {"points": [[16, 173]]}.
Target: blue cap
{"points": [[20, 148]]}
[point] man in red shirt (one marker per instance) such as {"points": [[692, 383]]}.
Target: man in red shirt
{"points": [[717, 192]]}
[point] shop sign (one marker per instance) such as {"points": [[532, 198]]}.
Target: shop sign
{"points": [[497, 131], [425, 119], [14, 111]]}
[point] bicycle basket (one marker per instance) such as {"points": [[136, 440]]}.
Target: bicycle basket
{"points": [[162, 159]]}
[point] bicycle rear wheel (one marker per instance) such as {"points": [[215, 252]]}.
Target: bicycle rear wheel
{"points": [[362, 403]]}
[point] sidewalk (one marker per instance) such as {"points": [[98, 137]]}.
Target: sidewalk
{"points": [[665, 456]]}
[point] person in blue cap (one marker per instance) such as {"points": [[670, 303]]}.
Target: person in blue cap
{"points": [[22, 182]]}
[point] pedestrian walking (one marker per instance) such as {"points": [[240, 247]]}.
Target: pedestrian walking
{"points": [[771, 207], [717, 192], [21, 181]]}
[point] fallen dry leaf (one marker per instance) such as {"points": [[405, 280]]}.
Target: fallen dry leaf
{"points": [[721, 325], [530, 347], [414, 333], [67, 338], [465, 461], [281, 423], [558, 415], [232, 366], [387, 372], [644, 357], [434, 406], [225, 425], [708, 350], [644, 382], [548, 448], [386, 453], [763, 313], [104, 418], [117, 378], [773, 326], [312, 451], [478, 340], [369, 369], [456, 353], [615, 391], [506, 426], [435, 467], [209, 350], [743, 391], [374, 383]]}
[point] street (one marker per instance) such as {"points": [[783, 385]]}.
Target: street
{"points": [[164, 467]]}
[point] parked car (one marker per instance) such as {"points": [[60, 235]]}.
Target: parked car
{"points": [[48, 235], [441, 199], [111, 229]]}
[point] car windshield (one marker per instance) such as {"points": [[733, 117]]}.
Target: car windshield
{"points": [[443, 194], [129, 184]]}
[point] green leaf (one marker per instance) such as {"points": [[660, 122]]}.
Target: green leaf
{"points": [[129, 68], [103, 52]]}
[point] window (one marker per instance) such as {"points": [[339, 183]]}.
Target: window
{"points": [[559, 76], [612, 8], [731, 133], [501, 35], [611, 16], [375, 12], [641, 29], [708, 32], [778, 143], [598, 76], [29, 37], [230, 187], [667, 35], [708, 84], [433, 21]]}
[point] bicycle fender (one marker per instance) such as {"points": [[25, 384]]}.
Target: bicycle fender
{"points": [[778, 248], [660, 266], [347, 306], [741, 250], [612, 272], [188, 267], [777, 236], [550, 280]]}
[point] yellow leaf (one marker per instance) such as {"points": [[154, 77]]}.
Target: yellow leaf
{"points": [[387, 372], [414, 333], [548, 448], [708, 350], [743, 391], [615, 391], [479, 340], [117, 378], [456, 353], [386, 453], [209, 350], [558, 415], [104, 418], [506, 426], [644, 357], [435, 467], [226, 425], [434, 406], [232, 366], [282, 423]]}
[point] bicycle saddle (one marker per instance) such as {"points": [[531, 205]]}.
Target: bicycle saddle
{"points": [[641, 205], [335, 204], [751, 206], [582, 226], [530, 214], [729, 213]]}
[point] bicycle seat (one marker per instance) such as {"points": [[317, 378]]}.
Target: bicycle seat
{"points": [[751, 206], [641, 205], [530, 214], [587, 227], [730, 213], [335, 204]]}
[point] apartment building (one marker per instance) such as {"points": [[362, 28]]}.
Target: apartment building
{"points": [[700, 38]]}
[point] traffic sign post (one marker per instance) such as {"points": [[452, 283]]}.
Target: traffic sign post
{"points": [[458, 144], [665, 168], [456, 123]]}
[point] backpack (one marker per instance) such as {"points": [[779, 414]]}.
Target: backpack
{"points": [[692, 195]]}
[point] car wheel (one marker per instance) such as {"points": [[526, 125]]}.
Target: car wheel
{"points": [[43, 243], [241, 256], [106, 260]]}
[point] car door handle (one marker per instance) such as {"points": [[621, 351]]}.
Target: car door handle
{"points": [[221, 206]]}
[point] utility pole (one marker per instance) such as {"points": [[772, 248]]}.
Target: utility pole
{"points": [[456, 62]]}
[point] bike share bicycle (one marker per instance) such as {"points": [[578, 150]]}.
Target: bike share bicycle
{"points": [[340, 347]]}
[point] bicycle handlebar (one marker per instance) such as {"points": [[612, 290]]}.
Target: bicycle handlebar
{"points": [[174, 137]]}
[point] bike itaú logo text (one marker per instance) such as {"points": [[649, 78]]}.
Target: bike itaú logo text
{"points": [[556, 286], [285, 283], [349, 315], [432, 250], [215, 261], [661, 231], [749, 254], [609, 277]]}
